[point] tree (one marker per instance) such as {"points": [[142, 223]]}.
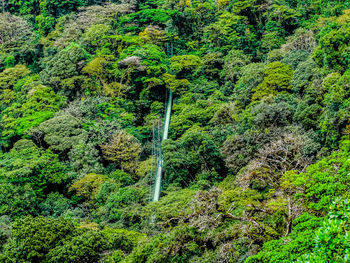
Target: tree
{"points": [[71, 29], [62, 132], [295, 57], [193, 154], [123, 239], [235, 61], [35, 237], [87, 246], [331, 241], [333, 48], [4, 4], [26, 164], [123, 149], [185, 65], [227, 32], [65, 65], [251, 76], [277, 79], [55, 205], [274, 159], [10, 76], [18, 200], [37, 106], [336, 112], [16, 34], [89, 186], [303, 75]]}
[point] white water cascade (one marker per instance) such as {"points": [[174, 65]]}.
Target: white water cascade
{"points": [[159, 169]]}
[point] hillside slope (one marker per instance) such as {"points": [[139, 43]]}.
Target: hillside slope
{"points": [[256, 165]]}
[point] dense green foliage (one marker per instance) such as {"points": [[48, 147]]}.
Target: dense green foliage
{"points": [[257, 164]]}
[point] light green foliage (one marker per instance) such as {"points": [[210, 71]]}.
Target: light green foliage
{"points": [[270, 41], [40, 104], [45, 23], [122, 177], [16, 35], [123, 150], [105, 190], [290, 248], [96, 68], [333, 48], [10, 76], [153, 58], [171, 206], [123, 239], [277, 79], [312, 240], [336, 100], [227, 31], [123, 205], [234, 62], [159, 248], [190, 112], [89, 186], [184, 65], [95, 33], [9, 61], [148, 17], [178, 86], [325, 180], [212, 65], [332, 239]]}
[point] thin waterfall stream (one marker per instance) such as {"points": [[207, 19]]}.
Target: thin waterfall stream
{"points": [[159, 169]]}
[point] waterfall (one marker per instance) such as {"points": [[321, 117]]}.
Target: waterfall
{"points": [[159, 170]]}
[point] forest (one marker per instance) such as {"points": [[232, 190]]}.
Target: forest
{"points": [[256, 166]]}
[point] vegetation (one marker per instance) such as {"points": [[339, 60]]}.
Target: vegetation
{"points": [[257, 164]]}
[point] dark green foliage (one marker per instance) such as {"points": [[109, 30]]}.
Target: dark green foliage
{"points": [[252, 76], [294, 58], [33, 238], [85, 247], [65, 67], [26, 164], [18, 200], [192, 154], [5, 230], [304, 73], [55, 205], [62, 132]]}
